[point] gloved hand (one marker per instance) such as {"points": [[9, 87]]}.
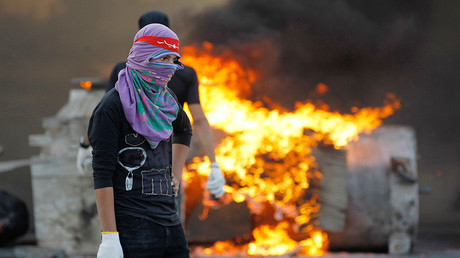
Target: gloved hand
{"points": [[84, 160], [216, 181], [110, 246]]}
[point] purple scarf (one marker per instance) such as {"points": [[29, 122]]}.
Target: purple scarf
{"points": [[147, 104]]}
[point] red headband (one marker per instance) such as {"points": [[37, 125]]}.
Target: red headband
{"points": [[163, 42]]}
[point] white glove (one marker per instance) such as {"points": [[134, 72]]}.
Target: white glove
{"points": [[110, 246], [216, 181], [84, 160]]}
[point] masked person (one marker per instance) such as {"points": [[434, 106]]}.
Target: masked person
{"points": [[184, 83], [140, 137]]}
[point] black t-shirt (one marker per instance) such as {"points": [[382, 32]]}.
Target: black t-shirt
{"points": [[118, 150], [184, 83]]}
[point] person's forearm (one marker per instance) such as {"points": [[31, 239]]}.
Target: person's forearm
{"points": [[202, 130], [105, 208], [179, 155]]}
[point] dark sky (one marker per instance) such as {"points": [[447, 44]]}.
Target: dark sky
{"points": [[360, 49]]}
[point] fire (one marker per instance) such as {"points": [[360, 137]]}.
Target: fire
{"points": [[272, 241], [86, 85], [266, 155]]}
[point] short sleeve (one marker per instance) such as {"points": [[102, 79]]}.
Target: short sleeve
{"points": [[193, 95]]}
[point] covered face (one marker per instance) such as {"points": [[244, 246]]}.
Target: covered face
{"points": [[150, 44], [148, 105]]}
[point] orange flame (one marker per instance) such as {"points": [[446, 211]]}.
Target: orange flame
{"points": [[266, 154], [272, 241], [86, 85]]}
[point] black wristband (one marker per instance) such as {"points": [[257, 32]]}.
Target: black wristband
{"points": [[82, 143]]}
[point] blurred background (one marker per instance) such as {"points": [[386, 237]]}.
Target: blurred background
{"points": [[360, 49]]}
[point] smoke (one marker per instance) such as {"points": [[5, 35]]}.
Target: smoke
{"points": [[340, 43], [361, 50]]}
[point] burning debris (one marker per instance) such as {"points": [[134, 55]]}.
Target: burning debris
{"points": [[261, 53], [267, 154]]}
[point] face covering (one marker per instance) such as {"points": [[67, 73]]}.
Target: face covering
{"points": [[148, 105], [160, 72]]}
